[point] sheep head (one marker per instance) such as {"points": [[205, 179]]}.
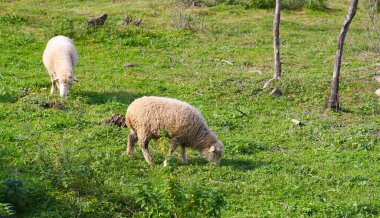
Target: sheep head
{"points": [[64, 84], [214, 153]]}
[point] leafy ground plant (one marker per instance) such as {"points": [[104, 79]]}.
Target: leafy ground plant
{"points": [[176, 200], [6, 210]]}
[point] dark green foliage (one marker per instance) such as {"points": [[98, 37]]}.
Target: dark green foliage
{"points": [[177, 200], [63, 26], [13, 192], [12, 19], [264, 4], [136, 42], [247, 147], [7, 94], [285, 4], [5, 210], [299, 4]]}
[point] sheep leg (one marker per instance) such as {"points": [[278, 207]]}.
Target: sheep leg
{"points": [[144, 142], [172, 148], [171, 151], [132, 139], [183, 154], [53, 86]]}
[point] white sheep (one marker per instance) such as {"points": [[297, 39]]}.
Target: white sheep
{"points": [[146, 117], [60, 57]]}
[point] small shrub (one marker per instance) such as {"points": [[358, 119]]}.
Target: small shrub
{"points": [[64, 27], [210, 3], [5, 210], [7, 94], [176, 200], [299, 4], [11, 19], [287, 4], [22, 40], [359, 138], [136, 42], [189, 17], [150, 200], [372, 24], [13, 191], [67, 169], [174, 193], [264, 4], [233, 2], [249, 148]]}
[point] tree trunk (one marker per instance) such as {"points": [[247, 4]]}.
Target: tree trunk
{"points": [[334, 98], [276, 41], [276, 44]]}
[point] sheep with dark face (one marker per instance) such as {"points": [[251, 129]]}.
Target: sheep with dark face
{"points": [[60, 57], [147, 116], [99, 21]]}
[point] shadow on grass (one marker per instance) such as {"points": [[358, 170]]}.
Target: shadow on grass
{"points": [[8, 99], [236, 164], [97, 98], [242, 164], [330, 10], [355, 111]]}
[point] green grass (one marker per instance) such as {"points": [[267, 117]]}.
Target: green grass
{"points": [[68, 162]]}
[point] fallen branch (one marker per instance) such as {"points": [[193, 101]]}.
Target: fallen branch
{"points": [[266, 85], [56, 104], [117, 120], [276, 92], [228, 62], [221, 60], [130, 65], [257, 71], [316, 138], [242, 113]]}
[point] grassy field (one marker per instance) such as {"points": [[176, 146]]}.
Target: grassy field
{"points": [[69, 163]]}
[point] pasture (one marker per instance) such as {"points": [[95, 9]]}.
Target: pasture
{"points": [[67, 162]]}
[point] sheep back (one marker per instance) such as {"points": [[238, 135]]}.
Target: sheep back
{"points": [[150, 115], [60, 55]]}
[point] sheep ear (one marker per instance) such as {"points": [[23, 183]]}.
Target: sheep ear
{"points": [[212, 149], [75, 79]]}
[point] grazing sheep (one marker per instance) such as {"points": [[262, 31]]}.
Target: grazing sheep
{"points": [[137, 22], [147, 116], [99, 21], [127, 20], [60, 57]]}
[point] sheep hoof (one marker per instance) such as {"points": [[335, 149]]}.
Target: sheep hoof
{"points": [[165, 163]]}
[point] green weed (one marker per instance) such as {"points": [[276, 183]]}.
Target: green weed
{"points": [[6, 209], [12, 19]]}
